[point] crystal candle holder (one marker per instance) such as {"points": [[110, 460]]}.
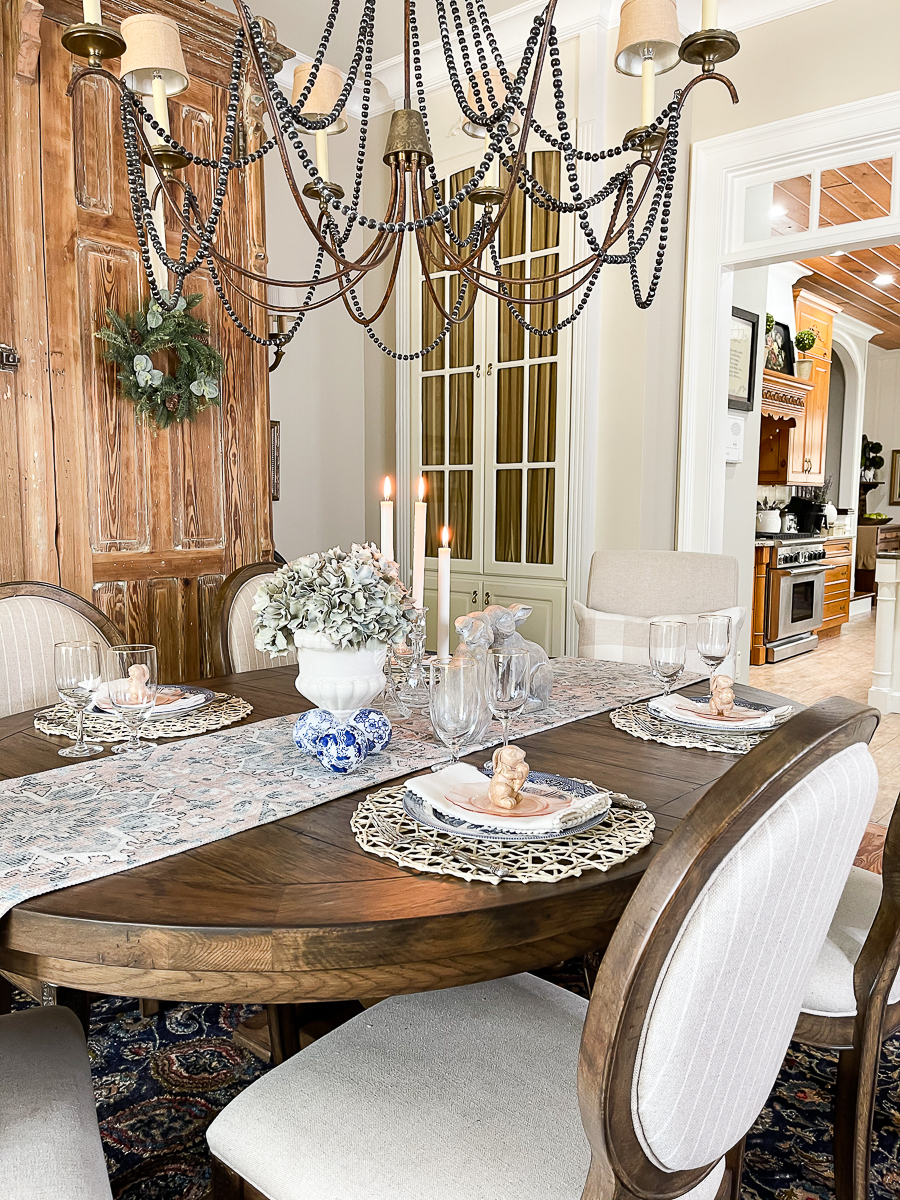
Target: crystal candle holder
{"points": [[415, 691]]}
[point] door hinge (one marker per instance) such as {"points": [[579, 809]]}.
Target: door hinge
{"points": [[9, 359]]}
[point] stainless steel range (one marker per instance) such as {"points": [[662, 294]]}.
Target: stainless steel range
{"points": [[795, 596]]}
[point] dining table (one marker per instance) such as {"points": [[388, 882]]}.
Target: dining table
{"points": [[295, 911]]}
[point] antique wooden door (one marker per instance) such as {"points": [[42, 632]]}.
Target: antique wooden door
{"points": [[148, 524]]}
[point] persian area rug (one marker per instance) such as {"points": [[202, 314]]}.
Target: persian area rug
{"points": [[160, 1081]]}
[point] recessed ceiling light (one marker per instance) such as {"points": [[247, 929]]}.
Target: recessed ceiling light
{"points": [[883, 280], [778, 210]]}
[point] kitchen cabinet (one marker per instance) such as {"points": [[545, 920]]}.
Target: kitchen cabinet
{"points": [[872, 540], [761, 557], [837, 586], [782, 450], [808, 452]]}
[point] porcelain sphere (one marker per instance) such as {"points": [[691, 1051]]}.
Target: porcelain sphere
{"points": [[342, 749], [375, 726], [310, 726]]}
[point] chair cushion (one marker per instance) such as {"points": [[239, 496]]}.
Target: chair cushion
{"points": [[464, 1093], [49, 1141], [643, 583], [29, 627], [243, 652], [829, 992], [620, 638]]}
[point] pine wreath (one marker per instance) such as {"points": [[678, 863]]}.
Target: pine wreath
{"points": [[162, 399]]}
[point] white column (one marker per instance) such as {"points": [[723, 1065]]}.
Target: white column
{"points": [[883, 693]]}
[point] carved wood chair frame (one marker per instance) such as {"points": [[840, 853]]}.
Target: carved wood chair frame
{"points": [[221, 612], [649, 927], [60, 595], [859, 1038]]}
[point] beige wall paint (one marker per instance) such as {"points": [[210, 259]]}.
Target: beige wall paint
{"points": [[882, 419]]}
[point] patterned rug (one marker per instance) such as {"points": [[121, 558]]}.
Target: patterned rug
{"points": [[159, 1082]]}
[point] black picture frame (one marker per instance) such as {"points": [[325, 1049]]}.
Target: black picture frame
{"points": [[742, 360], [780, 340]]}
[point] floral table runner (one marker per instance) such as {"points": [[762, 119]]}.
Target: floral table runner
{"points": [[99, 817]]}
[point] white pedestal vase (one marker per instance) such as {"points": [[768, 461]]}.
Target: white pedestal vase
{"points": [[336, 679]]}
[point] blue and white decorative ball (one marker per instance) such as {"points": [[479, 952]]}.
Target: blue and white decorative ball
{"points": [[375, 726], [342, 749], [310, 726]]}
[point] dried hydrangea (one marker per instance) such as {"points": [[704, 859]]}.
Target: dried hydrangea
{"points": [[352, 598]]}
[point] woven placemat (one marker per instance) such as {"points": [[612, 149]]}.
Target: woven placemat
{"points": [[640, 722], [381, 816], [59, 721]]}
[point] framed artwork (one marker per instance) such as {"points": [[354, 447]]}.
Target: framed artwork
{"points": [[780, 349], [894, 489], [742, 359]]}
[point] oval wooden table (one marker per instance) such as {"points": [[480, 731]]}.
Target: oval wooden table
{"points": [[296, 911]]}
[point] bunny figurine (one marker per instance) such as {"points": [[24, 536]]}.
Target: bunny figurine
{"points": [[504, 623], [474, 639]]}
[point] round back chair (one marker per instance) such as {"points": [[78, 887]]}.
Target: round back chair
{"points": [[233, 649], [33, 617], [697, 995]]}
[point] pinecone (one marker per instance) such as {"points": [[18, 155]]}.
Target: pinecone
{"points": [[172, 403], [136, 338]]}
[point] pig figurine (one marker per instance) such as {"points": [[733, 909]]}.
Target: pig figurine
{"points": [[504, 623]]}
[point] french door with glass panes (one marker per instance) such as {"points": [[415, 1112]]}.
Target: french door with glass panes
{"points": [[489, 429]]}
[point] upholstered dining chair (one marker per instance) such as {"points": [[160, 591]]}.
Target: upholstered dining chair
{"points": [[49, 1141], [471, 1091], [852, 1003], [34, 616], [627, 588], [232, 623]]}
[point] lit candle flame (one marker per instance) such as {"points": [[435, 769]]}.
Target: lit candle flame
{"points": [[387, 487], [445, 536], [421, 488]]}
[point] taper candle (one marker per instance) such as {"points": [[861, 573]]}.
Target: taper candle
{"points": [[648, 88], [322, 154], [387, 521], [492, 179], [160, 106], [92, 14], [418, 571], [710, 15], [443, 612]]}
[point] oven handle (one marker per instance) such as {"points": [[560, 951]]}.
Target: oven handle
{"points": [[812, 569]]}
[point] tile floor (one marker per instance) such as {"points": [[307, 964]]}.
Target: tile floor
{"points": [[843, 666]]}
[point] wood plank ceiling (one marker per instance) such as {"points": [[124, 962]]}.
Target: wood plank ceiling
{"points": [[856, 193]]}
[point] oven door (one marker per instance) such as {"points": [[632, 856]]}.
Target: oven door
{"points": [[796, 601]]}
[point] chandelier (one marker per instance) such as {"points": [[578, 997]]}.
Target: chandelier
{"points": [[627, 215]]}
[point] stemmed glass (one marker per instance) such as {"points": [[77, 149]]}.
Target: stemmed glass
{"points": [[713, 639], [668, 644], [76, 666], [507, 679], [131, 678], [455, 704]]}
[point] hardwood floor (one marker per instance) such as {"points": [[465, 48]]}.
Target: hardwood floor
{"points": [[842, 666]]}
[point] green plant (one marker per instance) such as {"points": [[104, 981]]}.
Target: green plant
{"points": [[158, 398], [805, 340], [871, 459], [770, 322]]}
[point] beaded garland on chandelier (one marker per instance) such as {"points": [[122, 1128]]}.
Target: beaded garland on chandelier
{"points": [[500, 104]]}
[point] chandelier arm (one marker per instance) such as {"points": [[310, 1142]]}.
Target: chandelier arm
{"points": [[593, 263]]}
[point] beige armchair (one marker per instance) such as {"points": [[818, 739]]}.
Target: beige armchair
{"points": [[471, 1091], [627, 589]]}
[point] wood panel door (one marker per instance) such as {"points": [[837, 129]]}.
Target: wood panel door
{"points": [[148, 522]]}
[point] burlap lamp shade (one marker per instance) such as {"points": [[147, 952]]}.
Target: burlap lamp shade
{"points": [[324, 95], [652, 24], [153, 48], [499, 87]]}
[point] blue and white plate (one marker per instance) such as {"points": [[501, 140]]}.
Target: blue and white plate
{"points": [[180, 699], [416, 808]]}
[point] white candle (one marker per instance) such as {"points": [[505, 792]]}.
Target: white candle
{"points": [[710, 17], [160, 105], [387, 521], [322, 154], [418, 573], [648, 90], [160, 271], [92, 15], [492, 179], [443, 612]]}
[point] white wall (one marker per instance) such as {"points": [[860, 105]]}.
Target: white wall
{"points": [[882, 416]]}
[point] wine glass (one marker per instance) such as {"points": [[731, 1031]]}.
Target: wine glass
{"points": [[455, 704], [507, 679], [131, 679], [76, 666], [668, 644], [713, 639]]}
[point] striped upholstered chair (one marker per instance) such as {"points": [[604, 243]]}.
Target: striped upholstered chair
{"points": [[472, 1091], [49, 1140], [33, 617], [233, 649]]}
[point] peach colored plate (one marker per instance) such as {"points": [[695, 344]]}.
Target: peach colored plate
{"points": [[536, 800]]}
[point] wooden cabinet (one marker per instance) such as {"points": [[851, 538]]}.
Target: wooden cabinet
{"points": [[808, 459], [761, 555], [872, 540], [782, 450], [837, 586]]}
